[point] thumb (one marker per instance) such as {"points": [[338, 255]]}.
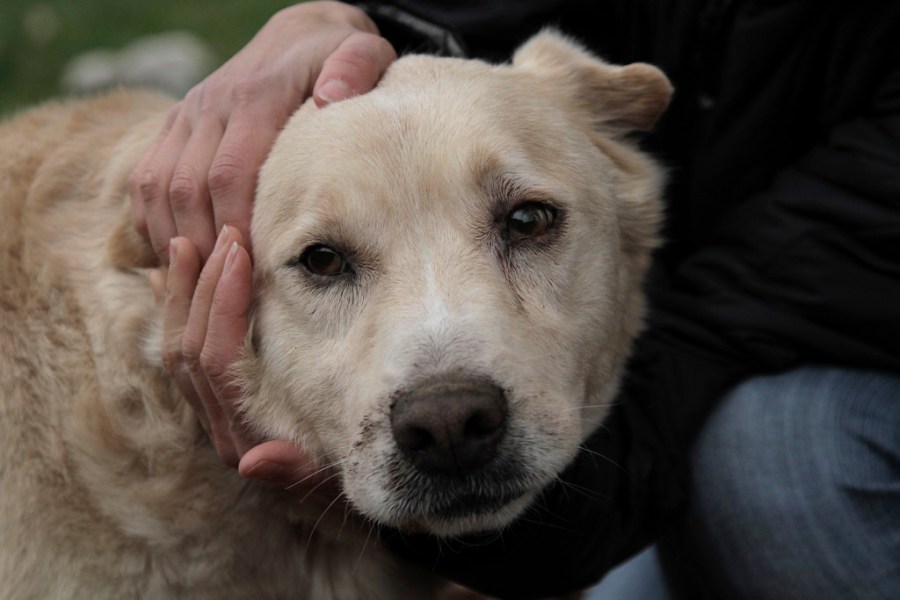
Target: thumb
{"points": [[353, 68], [286, 465]]}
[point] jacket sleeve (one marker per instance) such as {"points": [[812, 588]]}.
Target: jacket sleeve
{"points": [[809, 269], [487, 29], [805, 270]]}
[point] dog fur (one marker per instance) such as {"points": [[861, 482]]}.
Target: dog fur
{"points": [[110, 489]]}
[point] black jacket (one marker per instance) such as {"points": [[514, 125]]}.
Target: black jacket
{"points": [[783, 240]]}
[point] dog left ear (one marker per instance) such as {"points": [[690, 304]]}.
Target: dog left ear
{"points": [[619, 99]]}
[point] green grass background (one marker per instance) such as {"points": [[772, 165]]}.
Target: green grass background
{"points": [[38, 37]]}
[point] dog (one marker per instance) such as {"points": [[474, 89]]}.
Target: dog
{"points": [[448, 277]]}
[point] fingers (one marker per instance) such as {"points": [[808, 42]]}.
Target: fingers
{"points": [[288, 467], [285, 465], [200, 175], [148, 188], [158, 286], [184, 267], [353, 68], [201, 172], [205, 322], [233, 173], [188, 191], [227, 329], [218, 419]]}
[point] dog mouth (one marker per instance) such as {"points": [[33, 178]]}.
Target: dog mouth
{"points": [[461, 513], [463, 506], [447, 499]]}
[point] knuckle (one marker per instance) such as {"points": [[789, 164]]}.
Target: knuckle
{"points": [[207, 102], [247, 91], [190, 352], [203, 103], [174, 113], [193, 98], [184, 190], [359, 60], [147, 184], [357, 55], [379, 47], [139, 223], [224, 173], [134, 182], [212, 364]]}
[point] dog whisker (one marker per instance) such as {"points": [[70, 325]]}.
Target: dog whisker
{"points": [[344, 520], [583, 407], [587, 492], [315, 473], [595, 454], [591, 406], [319, 520], [362, 552], [540, 507], [318, 485], [544, 523]]}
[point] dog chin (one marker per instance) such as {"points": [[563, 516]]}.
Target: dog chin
{"points": [[477, 518]]}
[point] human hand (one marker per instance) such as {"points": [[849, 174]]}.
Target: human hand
{"points": [[206, 322], [200, 173]]}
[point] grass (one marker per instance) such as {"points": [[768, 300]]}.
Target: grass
{"points": [[37, 38]]}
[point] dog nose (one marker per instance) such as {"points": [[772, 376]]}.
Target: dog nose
{"points": [[449, 425]]}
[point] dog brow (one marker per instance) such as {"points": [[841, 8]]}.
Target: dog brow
{"points": [[509, 188]]}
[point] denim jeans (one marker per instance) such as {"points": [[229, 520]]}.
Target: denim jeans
{"points": [[795, 494]]}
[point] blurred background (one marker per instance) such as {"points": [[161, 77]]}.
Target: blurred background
{"points": [[50, 48]]}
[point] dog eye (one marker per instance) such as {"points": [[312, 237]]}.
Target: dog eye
{"points": [[529, 220], [322, 260]]}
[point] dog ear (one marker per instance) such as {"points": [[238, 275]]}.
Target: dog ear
{"points": [[619, 99]]}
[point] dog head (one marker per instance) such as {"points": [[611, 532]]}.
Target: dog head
{"points": [[448, 272]]}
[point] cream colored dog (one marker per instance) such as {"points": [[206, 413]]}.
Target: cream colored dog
{"points": [[448, 279]]}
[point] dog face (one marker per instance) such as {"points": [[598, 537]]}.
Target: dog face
{"points": [[448, 272]]}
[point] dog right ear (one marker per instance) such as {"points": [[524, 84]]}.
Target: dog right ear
{"points": [[619, 99]]}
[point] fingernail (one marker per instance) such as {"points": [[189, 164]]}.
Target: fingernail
{"points": [[173, 252], [264, 470], [335, 90], [229, 260], [223, 235]]}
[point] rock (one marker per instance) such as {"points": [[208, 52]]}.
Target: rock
{"points": [[171, 62]]}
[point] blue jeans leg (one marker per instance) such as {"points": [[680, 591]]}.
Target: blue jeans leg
{"points": [[796, 488], [640, 578], [795, 494]]}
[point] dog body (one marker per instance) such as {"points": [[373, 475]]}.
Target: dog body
{"points": [[108, 488], [447, 278]]}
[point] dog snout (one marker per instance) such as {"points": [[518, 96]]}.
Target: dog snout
{"points": [[450, 425]]}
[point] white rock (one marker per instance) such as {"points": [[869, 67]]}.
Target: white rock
{"points": [[172, 62]]}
